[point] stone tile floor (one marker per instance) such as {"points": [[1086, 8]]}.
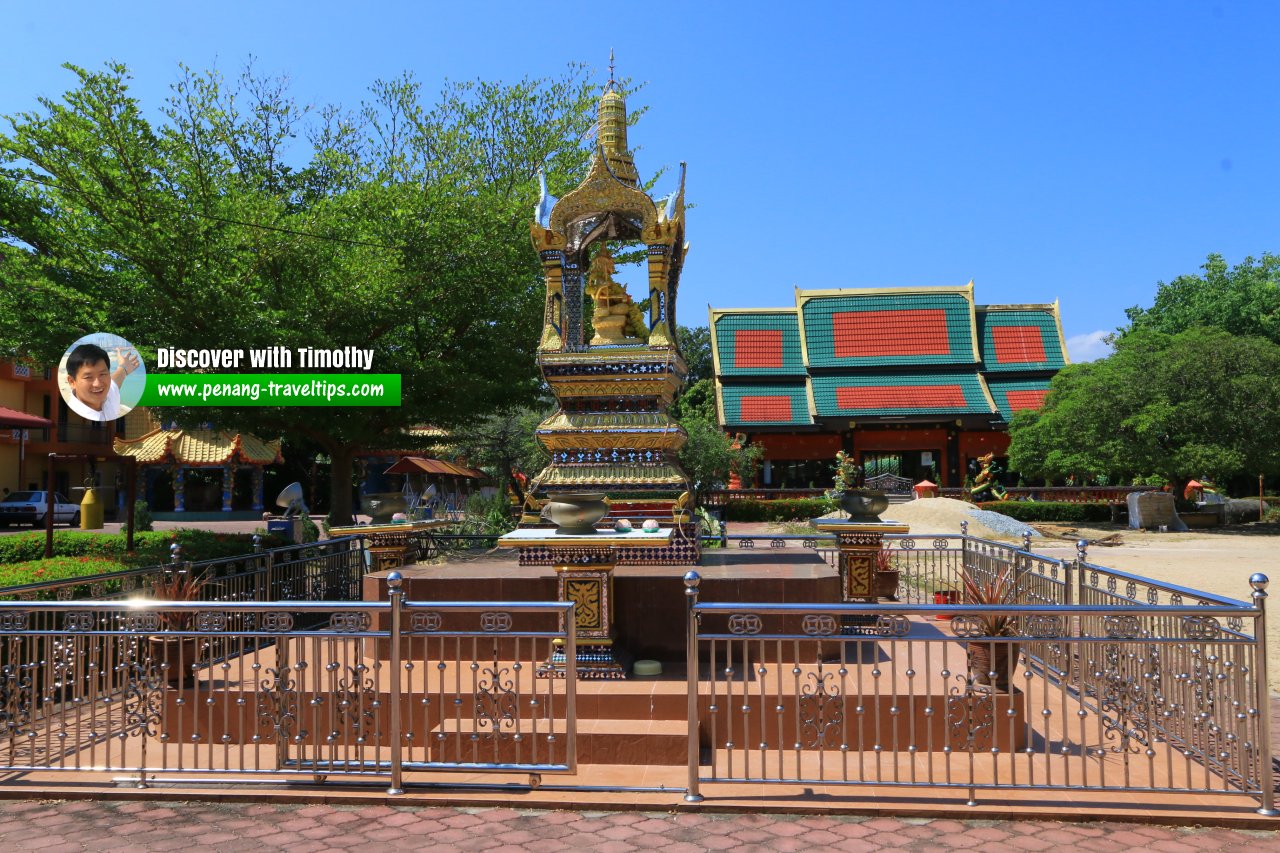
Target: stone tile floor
{"points": [[54, 826]]}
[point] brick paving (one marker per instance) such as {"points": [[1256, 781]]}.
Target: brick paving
{"points": [[55, 826]]}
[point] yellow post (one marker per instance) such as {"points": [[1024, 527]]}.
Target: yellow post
{"points": [[90, 510]]}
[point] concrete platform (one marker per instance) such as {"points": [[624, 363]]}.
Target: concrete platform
{"points": [[650, 600]]}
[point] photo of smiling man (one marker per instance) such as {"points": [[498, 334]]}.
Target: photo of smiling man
{"points": [[102, 377]]}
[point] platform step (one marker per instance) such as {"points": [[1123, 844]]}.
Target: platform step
{"points": [[622, 741]]}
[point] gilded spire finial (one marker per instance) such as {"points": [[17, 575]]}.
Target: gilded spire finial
{"points": [[611, 127]]}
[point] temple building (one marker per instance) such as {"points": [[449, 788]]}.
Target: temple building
{"points": [[913, 381]]}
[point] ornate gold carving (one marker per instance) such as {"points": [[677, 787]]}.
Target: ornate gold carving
{"points": [[858, 575], [585, 593], [601, 192], [612, 475], [545, 239]]}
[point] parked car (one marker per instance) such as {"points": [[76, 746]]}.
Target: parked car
{"points": [[29, 508]]}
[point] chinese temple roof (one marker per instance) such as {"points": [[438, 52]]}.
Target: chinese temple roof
{"points": [[199, 447], [883, 353], [1013, 395], [1020, 337], [759, 343], [888, 327], [760, 404], [901, 393]]}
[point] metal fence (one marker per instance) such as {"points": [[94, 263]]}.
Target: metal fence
{"points": [[242, 691], [1088, 678], [328, 570]]}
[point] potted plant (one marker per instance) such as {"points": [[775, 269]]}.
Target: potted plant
{"points": [[847, 491], [886, 576], [989, 662], [172, 648]]}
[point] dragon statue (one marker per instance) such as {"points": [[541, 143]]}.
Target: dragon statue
{"points": [[986, 487]]}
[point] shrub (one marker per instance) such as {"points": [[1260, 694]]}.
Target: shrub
{"points": [[788, 509], [149, 548], [55, 569], [142, 520], [310, 533], [1061, 511]]}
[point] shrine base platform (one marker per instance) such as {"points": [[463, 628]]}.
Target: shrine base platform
{"points": [[649, 600]]}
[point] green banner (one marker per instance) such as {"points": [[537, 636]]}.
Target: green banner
{"points": [[272, 389]]}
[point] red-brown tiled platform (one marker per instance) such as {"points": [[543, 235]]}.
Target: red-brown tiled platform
{"points": [[649, 600], [235, 827]]}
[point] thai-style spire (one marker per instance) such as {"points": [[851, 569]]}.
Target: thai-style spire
{"points": [[612, 130]]}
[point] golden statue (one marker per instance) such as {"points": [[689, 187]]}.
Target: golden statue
{"points": [[617, 319]]}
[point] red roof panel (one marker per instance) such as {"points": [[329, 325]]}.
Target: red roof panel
{"points": [[883, 333], [901, 397], [1018, 344], [766, 409], [757, 348]]}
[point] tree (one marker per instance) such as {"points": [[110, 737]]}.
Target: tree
{"points": [[402, 227], [1244, 300], [1199, 403], [505, 442], [695, 346]]}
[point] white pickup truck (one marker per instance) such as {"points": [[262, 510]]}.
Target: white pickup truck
{"points": [[29, 508]]}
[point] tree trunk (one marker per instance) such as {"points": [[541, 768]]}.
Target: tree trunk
{"points": [[340, 467]]}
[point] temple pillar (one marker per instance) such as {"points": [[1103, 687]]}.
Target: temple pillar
{"points": [[179, 488], [228, 485], [257, 488]]}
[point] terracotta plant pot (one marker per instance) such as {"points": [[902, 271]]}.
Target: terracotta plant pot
{"points": [[179, 653], [864, 504], [986, 658], [887, 584], [576, 513]]}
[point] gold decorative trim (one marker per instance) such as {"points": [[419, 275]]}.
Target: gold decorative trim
{"points": [[601, 192]]}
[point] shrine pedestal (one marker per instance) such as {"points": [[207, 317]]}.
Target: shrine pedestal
{"points": [[391, 545], [861, 544], [584, 566]]}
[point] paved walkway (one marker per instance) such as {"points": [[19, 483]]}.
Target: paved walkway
{"points": [[55, 826]]}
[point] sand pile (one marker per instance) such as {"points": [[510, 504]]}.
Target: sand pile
{"points": [[943, 515]]}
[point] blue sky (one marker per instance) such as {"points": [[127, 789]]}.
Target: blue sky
{"points": [[1074, 150]]}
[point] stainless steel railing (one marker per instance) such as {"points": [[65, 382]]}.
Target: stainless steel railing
{"points": [[241, 691]]}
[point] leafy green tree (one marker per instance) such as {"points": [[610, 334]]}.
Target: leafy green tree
{"points": [[710, 455], [401, 227], [504, 442], [1243, 300], [1198, 403], [695, 346]]}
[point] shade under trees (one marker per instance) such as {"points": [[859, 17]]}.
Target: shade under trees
{"points": [[236, 217]]}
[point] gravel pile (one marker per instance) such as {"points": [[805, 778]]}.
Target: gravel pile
{"points": [[943, 515], [1001, 524]]}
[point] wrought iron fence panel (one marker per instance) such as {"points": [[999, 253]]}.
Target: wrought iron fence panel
{"points": [[243, 690], [1164, 699], [478, 700]]}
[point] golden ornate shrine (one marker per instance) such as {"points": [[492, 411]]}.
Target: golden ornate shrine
{"points": [[612, 433]]}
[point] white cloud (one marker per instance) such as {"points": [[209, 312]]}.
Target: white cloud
{"points": [[1089, 346]]}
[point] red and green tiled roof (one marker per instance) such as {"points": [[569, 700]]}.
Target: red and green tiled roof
{"points": [[761, 404], [1019, 339], [947, 394], [1012, 396], [758, 344], [879, 329]]}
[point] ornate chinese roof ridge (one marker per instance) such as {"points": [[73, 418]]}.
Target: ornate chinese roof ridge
{"points": [[200, 447]]}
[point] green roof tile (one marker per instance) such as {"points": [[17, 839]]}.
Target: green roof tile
{"points": [[765, 404], [1012, 396], [900, 393], [759, 344], [1019, 339], [887, 330]]}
